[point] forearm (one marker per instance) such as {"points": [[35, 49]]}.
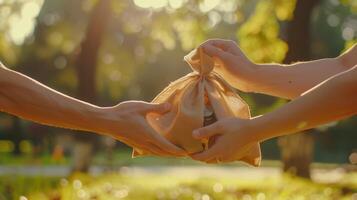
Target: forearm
{"points": [[332, 100], [290, 81], [29, 99]]}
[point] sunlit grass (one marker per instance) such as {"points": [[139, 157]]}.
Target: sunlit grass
{"points": [[177, 179], [173, 186]]}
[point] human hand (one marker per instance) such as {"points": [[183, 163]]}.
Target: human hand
{"points": [[127, 123], [233, 65], [234, 142]]}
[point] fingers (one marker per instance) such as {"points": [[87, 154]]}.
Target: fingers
{"points": [[218, 161], [148, 148], [212, 161], [206, 155], [221, 43], [168, 146], [208, 131], [216, 52], [252, 161], [228, 46], [140, 149], [157, 150], [157, 108], [163, 143]]}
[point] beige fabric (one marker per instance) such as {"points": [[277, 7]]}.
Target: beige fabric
{"points": [[187, 95]]}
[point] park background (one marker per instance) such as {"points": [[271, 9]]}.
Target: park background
{"points": [[108, 51]]}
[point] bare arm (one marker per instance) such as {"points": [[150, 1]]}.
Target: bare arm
{"points": [[331, 100], [290, 81], [29, 99], [286, 81]]}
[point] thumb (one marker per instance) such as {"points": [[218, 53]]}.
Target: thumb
{"points": [[157, 108], [208, 131]]}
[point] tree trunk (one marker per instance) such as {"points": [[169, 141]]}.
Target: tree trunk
{"points": [[297, 150], [297, 153], [86, 73], [16, 132]]}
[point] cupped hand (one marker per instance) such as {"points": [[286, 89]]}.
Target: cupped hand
{"points": [[233, 65], [130, 126], [234, 141]]}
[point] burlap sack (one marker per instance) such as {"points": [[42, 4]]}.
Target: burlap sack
{"points": [[189, 97]]}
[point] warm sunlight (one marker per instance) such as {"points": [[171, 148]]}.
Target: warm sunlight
{"points": [[22, 24], [158, 3], [178, 99], [204, 6]]}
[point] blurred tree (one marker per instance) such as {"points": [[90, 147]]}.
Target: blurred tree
{"points": [[86, 64], [16, 135], [297, 150]]}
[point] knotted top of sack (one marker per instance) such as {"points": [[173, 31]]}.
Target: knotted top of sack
{"points": [[199, 61]]}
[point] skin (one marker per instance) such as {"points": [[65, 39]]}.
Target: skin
{"points": [[31, 100], [323, 91]]}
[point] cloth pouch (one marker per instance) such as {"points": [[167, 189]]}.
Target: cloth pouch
{"points": [[198, 99]]}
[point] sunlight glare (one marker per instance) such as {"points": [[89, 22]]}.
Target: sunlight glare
{"points": [[208, 5], [175, 3], [30, 9], [348, 33], [151, 3], [22, 26], [214, 18]]}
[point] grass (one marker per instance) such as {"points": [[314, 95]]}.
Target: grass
{"points": [[166, 184], [173, 186], [122, 157]]}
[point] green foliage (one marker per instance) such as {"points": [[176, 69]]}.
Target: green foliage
{"points": [[8, 52], [284, 9], [259, 35], [351, 3], [349, 44], [16, 186]]}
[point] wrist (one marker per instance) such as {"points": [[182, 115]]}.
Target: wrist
{"points": [[99, 120], [258, 77], [260, 128], [246, 76], [249, 129]]}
